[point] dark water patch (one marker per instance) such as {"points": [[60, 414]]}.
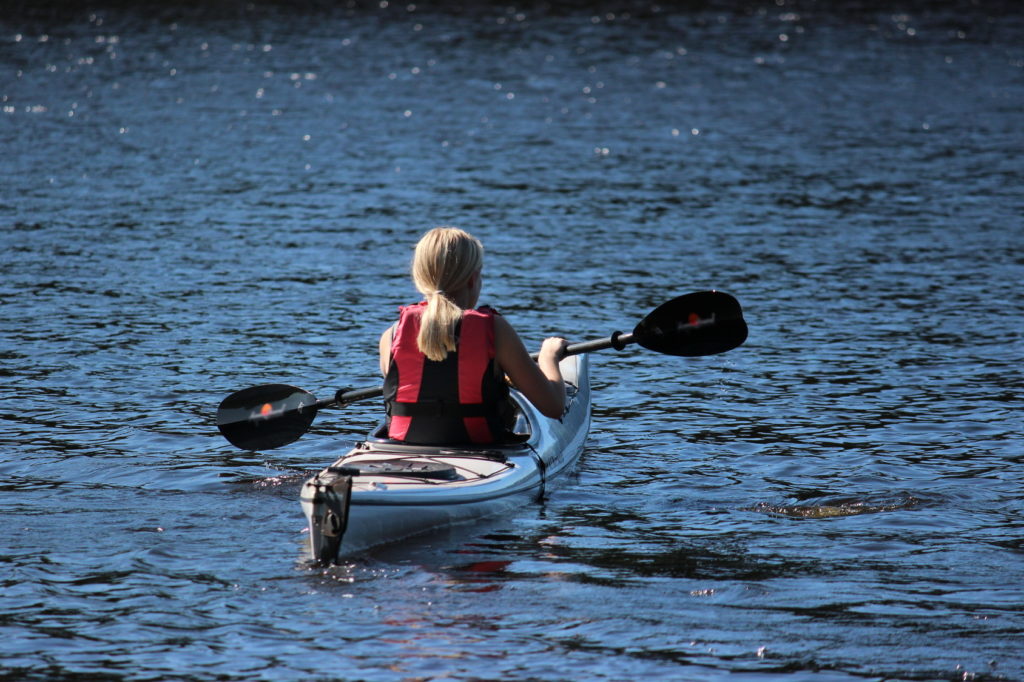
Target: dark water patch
{"points": [[726, 563]]}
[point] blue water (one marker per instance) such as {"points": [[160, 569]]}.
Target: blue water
{"points": [[196, 198]]}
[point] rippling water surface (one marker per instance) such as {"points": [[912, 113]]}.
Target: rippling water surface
{"points": [[196, 198]]}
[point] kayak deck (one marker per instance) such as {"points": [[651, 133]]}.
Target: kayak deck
{"points": [[382, 491]]}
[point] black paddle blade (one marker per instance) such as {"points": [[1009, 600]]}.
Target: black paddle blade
{"points": [[266, 417], [703, 323]]}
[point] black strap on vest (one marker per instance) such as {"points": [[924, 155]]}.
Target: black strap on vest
{"points": [[439, 408]]}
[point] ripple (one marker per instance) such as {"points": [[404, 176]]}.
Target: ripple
{"points": [[204, 198]]}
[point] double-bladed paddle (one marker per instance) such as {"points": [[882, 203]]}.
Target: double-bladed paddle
{"points": [[702, 323]]}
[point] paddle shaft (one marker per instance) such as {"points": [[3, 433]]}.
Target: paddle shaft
{"points": [[618, 340], [346, 396], [701, 323]]}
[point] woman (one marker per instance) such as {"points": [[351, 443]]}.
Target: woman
{"points": [[445, 361]]}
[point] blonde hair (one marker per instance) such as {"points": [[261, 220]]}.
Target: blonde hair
{"points": [[445, 260]]}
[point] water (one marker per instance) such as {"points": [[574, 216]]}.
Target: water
{"points": [[196, 199]]}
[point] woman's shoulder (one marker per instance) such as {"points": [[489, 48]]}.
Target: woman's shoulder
{"points": [[412, 308], [505, 334], [482, 310]]}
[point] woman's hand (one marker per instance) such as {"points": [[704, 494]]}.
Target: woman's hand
{"points": [[553, 349]]}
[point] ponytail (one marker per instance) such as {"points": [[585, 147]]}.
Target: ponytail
{"points": [[437, 327], [445, 260]]}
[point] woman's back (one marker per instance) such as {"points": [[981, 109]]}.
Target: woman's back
{"points": [[445, 328]]}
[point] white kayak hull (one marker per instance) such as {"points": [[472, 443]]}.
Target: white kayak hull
{"points": [[382, 491]]}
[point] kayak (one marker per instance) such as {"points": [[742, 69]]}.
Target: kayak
{"points": [[382, 491]]}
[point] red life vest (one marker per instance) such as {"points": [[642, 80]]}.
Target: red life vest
{"points": [[460, 399]]}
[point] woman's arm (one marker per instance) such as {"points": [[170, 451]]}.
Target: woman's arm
{"points": [[385, 350], [540, 381]]}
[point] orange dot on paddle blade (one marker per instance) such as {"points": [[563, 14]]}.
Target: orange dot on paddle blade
{"points": [[266, 409], [694, 318]]}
